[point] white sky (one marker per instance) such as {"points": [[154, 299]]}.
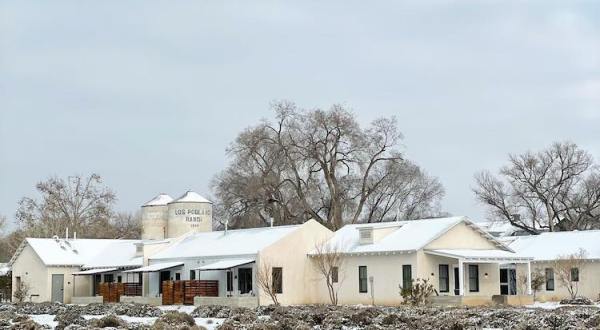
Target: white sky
{"points": [[150, 93]]}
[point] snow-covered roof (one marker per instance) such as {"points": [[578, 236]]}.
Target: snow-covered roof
{"points": [[410, 236], [159, 200], [550, 246], [95, 271], [218, 243], [500, 228], [479, 255], [118, 253], [191, 197], [155, 267], [227, 264], [82, 252]]}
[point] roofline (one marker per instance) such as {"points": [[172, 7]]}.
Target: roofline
{"points": [[377, 253], [456, 256]]}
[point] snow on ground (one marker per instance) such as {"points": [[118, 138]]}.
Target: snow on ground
{"points": [[44, 319], [556, 304], [179, 308]]}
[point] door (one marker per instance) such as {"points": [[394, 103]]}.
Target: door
{"points": [[456, 282], [164, 276], [58, 288], [508, 281], [245, 280]]}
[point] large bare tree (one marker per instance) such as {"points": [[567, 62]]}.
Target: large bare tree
{"points": [[556, 189], [82, 204], [321, 164]]}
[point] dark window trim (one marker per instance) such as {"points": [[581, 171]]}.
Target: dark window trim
{"points": [[229, 281], [362, 281], [277, 279], [446, 279], [476, 278]]}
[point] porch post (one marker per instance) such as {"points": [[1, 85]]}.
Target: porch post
{"points": [[461, 278], [528, 277]]}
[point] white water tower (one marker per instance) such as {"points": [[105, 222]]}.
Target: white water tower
{"points": [[190, 212], [155, 216]]}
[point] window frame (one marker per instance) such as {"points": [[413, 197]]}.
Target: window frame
{"points": [[445, 279], [277, 286], [192, 274], [229, 283], [549, 279], [575, 274], [363, 286], [407, 280], [473, 277], [334, 274]]}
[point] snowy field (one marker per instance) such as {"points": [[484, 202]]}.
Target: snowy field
{"points": [[536, 316]]}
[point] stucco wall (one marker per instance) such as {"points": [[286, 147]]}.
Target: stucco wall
{"points": [[461, 236], [589, 281], [290, 253], [33, 272]]}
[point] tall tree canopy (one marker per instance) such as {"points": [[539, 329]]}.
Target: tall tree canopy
{"points": [[555, 189], [322, 164]]}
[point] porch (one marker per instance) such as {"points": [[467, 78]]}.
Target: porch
{"points": [[106, 285], [479, 277]]}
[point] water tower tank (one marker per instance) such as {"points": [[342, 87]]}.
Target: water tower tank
{"points": [[190, 212], [155, 215]]}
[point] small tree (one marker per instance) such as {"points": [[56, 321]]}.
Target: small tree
{"points": [[328, 259], [567, 269], [418, 294], [269, 280], [21, 291], [537, 281]]}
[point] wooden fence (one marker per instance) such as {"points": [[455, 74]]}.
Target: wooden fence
{"points": [[132, 289], [111, 292], [183, 292]]}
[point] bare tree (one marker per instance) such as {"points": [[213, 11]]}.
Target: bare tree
{"points": [[124, 225], [269, 279], [567, 268], [319, 164], [2, 225], [555, 189], [82, 204], [329, 260]]}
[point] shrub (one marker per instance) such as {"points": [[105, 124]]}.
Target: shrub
{"points": [[21, 292], [418, 294], [109, 321]]}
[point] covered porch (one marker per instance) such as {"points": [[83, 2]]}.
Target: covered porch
{"points": [[240, 283], [478, 277], [105, 285]]}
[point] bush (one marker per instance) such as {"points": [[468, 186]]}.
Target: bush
{"points": [[21, 292], [418, 294], [109, 321], [176, 319]]}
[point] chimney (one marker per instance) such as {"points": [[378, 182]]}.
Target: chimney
{"points": [[67, 233], [74, 235], [271, 221]]}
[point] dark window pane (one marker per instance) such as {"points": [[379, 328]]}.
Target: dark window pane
{"points": [[503, 275], [334, 275], [473, 278], [549, 279], [229, 281], [575, 274], [362, 279], [108, 278], [277, 277], [444, 278], [406, 276], [192, 274], [177, 276]]}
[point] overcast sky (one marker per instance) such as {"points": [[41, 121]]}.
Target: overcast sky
{"points": [[150, 93]]}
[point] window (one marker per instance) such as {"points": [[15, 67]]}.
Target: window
{"points": [[473, 278], [229, 281], [334, 274], [119, 279], [245, 280], [362, 279], [277, 277], [406, 277], [444, 278], [575, 274], [177, 276], [97, 280], [108, 278], [192, 274], [549, 279]]}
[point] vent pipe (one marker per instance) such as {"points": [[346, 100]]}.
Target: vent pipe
{"points": [[271, 221], [226, 225], [67, 233], [74, 235]]}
